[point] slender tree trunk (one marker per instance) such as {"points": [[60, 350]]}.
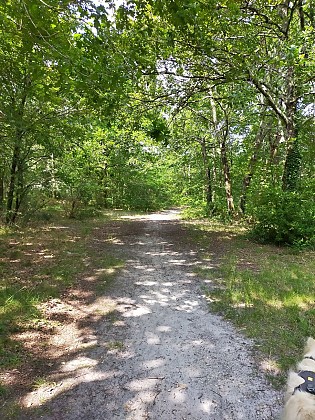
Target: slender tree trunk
{"points": [[1, 190], [251, 166], [274, 142], [12, 183], [292, 165], [105, 186], [227, 177], [16, 168], [19, 191], [209, 191], [224, 157], [207, 171], [72, 208], [53, 182]]}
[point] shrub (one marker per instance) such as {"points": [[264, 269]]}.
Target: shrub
{"points": [[284, 218]]}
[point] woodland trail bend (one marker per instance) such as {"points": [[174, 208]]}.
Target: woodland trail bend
{"points": [[170, 357]]}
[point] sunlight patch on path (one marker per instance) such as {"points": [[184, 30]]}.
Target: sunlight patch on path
{"points": [[170, 358], [173, 214]]}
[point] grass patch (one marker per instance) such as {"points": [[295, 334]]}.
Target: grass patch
{"points": [[11, 410], [266, 291], [115, 345], [42, 382], [112, 316], [108, 268], [11, 353], [40, 262], [3, 390]]}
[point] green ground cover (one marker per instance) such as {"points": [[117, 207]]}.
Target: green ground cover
{"points": [[266, 291], [40, 262]]}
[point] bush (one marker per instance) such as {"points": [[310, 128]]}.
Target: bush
{"points": [[196, 210], [284, 218]]}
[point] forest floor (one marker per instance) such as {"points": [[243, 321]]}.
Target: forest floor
{"points": [[144, 345]]}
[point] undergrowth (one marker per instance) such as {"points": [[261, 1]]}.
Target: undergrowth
{"points": [[268, 292]]}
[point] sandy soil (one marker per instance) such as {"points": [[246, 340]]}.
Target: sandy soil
{"points": [[150, 348]]}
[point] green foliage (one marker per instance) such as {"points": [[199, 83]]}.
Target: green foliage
{"points": [[292, 168], [3, 390], [196, 210], [284, 217], [199, 209], [155, 104], [145, 192], [276, 296], [266, 291]]}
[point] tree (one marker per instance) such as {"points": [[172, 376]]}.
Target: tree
{"points": [[224, 90], [35, 55], [264, 46]]}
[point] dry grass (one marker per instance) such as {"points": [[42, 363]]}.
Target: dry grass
{"points": [[39, 264]]}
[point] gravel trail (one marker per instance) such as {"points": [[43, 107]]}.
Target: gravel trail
{"points": [[162, 355]]}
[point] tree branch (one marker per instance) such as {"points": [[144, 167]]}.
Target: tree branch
{"points": [[264, 91]]}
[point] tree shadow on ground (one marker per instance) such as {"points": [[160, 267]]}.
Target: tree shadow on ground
{"points": [[81, 380]]}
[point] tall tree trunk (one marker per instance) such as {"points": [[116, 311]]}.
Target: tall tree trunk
{"points": [[227, 177], [16, 167], [19, 191], [105, 187], [274, 142], [207, 172], [224, 158], [1, 190], [53, 182], [251, 166], [12, 183], [292, 165]]}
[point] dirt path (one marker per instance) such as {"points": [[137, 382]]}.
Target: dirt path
{"points": [[161, 354]]}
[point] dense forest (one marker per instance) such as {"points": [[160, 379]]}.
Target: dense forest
{"points": [[145, 104]]}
